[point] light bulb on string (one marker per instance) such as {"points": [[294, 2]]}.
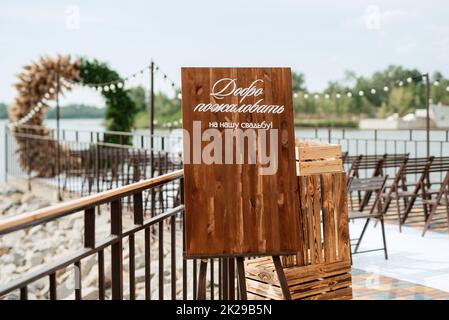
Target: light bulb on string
{"points": [[39, 104], [52, 90], [361, 93], [386, 89], [317, 96], [349, 94], [179, 96], [373, 91], [295, 95], [326, 96], [306, 96], [105, 88], [120, 85], [338, 96], [409, 80], [47, 96], [112, 86], [401, 83], [436, 83], [447, 88]]}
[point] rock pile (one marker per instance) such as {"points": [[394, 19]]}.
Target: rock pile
{"points": [[30, 249]]}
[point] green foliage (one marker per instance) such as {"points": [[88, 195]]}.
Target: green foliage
{"points": [[326, 123], [401, 100], [166, 109], [139, 97], [120, 108], [3, 111], [298, 83]]}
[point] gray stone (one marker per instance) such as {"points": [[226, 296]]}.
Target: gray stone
{"points": [[90, 293]]}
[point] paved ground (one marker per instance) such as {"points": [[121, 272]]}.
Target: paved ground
{"points": [[420, 261], [371, 286]]}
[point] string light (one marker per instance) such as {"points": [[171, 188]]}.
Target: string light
{"points": [[436, 83], [33, 111], [386, 88]]}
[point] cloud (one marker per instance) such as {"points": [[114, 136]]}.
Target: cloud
{"points": [[374, 18], [406, 47]]}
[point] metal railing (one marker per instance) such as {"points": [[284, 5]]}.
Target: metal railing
{"points": [[85, 164], [162, 235], [378, 142]]}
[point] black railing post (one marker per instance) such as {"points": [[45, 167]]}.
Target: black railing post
{"points": [[116, 251]]}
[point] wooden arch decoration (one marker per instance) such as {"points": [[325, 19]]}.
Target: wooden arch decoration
{"points": [[34, 82]]}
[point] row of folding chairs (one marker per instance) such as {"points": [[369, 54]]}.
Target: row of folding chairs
{"points": [[379, 181]]}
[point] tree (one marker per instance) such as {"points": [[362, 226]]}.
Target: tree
{"points": [[298, 82], [120, 108], [139, 97]]}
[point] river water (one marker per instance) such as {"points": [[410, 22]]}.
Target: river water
{"points": [[354, 140]]}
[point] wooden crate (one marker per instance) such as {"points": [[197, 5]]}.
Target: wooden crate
{"points": [[318, 159], [321, 269]]}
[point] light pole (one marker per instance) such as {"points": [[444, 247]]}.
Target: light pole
{"points": [[58, 151], [427, 90]]}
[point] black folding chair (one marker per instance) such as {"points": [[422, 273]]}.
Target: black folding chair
{"points": [[376, 186]]}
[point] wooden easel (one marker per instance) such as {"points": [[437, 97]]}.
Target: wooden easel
{"points": [[241, 278]]}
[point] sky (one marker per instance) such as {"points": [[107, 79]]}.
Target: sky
{"points": [[319, 38]]}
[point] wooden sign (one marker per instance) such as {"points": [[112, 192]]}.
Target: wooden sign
{"points": [[241, 192]]}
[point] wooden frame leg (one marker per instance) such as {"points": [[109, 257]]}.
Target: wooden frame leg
{"points": [[281, 276], [241, 278], [361, 236], [433, 209], [398, 210], [202, 280], [383, 237]]}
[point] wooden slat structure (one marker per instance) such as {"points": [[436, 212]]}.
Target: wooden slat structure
{"points": [[318, 159], [321, 268]]}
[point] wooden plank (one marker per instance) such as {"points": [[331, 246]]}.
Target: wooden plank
{"points": [[329, 232], [321, 284], [260, 210], [340, 294], [303, 252], [320, 166], [314, 221], [332, 151], [341, 210], [264, 289], [71, 206], [298, 274]]}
